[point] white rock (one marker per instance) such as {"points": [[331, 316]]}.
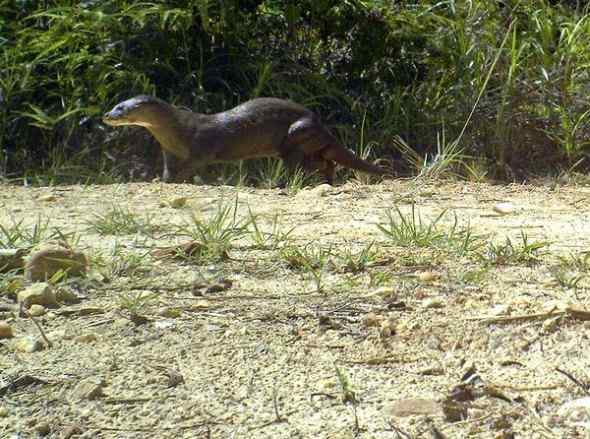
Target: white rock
{"points": [[504, 208]]}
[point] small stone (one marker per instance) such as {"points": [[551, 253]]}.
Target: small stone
{"points": [[427, 276], [433, 302], [503, 208], [45, 263], [383, 292], [413, 407], [372, 320], [4, 412], [27, 344], [90, 388], [43, 428], [39, 293], [387, 328], [86, 338], [178, 202], [69, 431], [37, 310], [5, 330], [48, 197]]}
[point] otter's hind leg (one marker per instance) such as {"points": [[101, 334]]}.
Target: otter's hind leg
{"points": [[302, 146]]}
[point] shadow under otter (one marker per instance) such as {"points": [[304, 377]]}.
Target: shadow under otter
{"points": [[262, 127]]}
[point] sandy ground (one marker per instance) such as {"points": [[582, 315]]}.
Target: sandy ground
{"points": [[418, 342]]}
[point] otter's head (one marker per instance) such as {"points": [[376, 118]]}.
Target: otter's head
{"points": [[141, 110]]}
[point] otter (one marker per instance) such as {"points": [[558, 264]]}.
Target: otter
{"points": [[261, 127]]}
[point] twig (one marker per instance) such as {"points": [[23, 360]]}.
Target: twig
{"points": [[574, 380], [577, 313], [47, 341]]}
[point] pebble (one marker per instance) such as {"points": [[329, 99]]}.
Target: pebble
{"points": [[5, 330], [28, 344], [37, 310], [433, 302], [39, 293], [413, 407], [43, 428], [427, 276], [86, 338], [504, 208], [90, 388], [178, 202]]}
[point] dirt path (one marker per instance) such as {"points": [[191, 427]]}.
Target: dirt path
{"points": [[318, 333]]}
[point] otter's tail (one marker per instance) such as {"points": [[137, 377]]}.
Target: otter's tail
{"points": [[346, 158]]}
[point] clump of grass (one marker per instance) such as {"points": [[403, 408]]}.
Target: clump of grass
{"points": [[272, 239], [510, 253], [309, 259], [17, 235], [567, 278], [350, 261], [579, 262], [216, 234], [135, 302], [121, 221], [410, 230]]}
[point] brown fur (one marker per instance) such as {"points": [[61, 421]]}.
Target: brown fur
{"points": [[263, 127]]}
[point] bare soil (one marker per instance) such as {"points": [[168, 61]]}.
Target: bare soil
{"points": [[291, 351]]}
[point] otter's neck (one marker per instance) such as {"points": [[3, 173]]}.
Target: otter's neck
{"points": [[166, 125]]}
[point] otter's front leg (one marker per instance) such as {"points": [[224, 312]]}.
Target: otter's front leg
{"points": [[172, 166]]}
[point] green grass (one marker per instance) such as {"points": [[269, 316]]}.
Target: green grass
{"points": [[410, 230], [276, 237], [18, 235], [122, 221], [216, 234], [525, 252]]}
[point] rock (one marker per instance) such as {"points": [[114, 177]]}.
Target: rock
{"points": [[372, 320], [39, 293], [90, 388], [43, 428], [12, 259], [28, 344], [37, 310], [433, 302], [86, 338], [503, 208], [5, 330], [45, 263], [427, 276], [178, 202], [48, 197], [71, 430], [413, 407], [383, 292]]}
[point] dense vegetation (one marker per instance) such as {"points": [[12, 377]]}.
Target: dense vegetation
{"points": [[391, 77]]}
